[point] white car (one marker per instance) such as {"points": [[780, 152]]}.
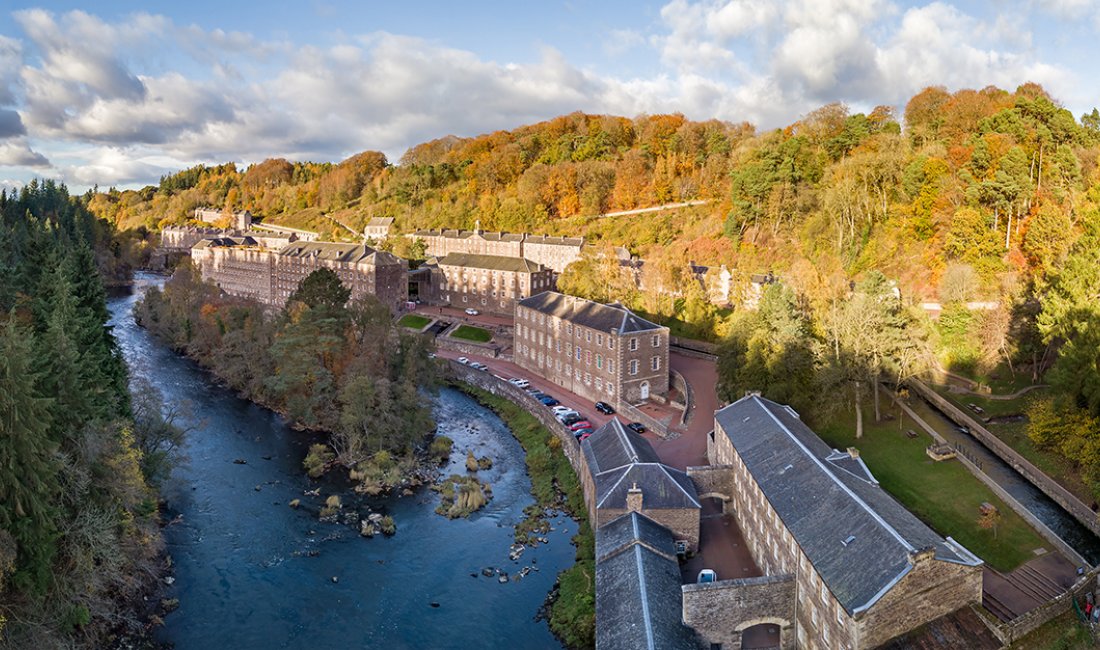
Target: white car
{"points": [[560, 408], [707, 575], [522, 383], [470, 311], [476, 365], [463, 360]]}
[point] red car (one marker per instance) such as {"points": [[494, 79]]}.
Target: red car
{"points": [[583, 424], [583, 437]]}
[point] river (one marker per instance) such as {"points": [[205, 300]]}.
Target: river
{"points": [[1060, 522], [251, 572]]}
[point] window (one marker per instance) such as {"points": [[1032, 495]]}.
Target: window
{"points": [[587, 378], [655, 363], [610, 343], [839, 615], [599, 361], [577, 354], [557, 346], [569, 328], [588, 336], [633, 344], [656, 340], [824, 593], [599, 339], [610, 365], [634, 366], [588, 357]]}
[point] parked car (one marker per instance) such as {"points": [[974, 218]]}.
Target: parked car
{"points": [[707, 575], [636, 427], [550, 402], [584, 436], [538, 394], [605, 408], [463, 360], [559, 409], [431, 355], [546, 398], [470, 311], [580, 424], [516, 381], [479, 366], [582, 433], [570, 418]]}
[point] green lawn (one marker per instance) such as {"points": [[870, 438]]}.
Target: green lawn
{"points": [[471, 333], [945, 495], [414, 321]]}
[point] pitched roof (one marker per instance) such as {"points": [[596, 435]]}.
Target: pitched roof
{"points": [[620, 459], [859, 539], [208, 242], [639, 602], [587, 313], [492, 262], [380, 221], [349, 253], [554, 241], [613, 446], [466, 234]]}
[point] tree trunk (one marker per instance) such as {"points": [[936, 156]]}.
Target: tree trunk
{"points": [[859, 412], [1008, 231], [878, 412]]}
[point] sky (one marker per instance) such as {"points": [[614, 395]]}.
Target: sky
{"points": [[119, 93]]}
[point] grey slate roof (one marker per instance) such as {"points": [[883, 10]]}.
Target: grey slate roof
{"points": [[613, 445], [466, 234], [491, 262], [631, 528], [587, 313], [350, 253], [619, 459], [225, 241], [663, 487], [857, 536], [639, 602], [555, 241]]}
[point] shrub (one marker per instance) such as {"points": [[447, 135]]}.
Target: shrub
{"points": [[317, 460]]}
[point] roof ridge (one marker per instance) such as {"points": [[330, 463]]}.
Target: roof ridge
{"points": [[665, 468], [863, 504], [645, 598]]}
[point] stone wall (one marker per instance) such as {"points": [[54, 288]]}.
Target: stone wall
{"points": [[721, 611], [630, 412], [467, 347], [1049, 486], [677, 381], [1011, 631], [683, 522], [933, 588], [713, 480]]}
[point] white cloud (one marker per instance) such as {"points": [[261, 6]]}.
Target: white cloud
{"points": [[133, 96], [14, 152]]}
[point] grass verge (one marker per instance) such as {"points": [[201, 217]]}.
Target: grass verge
{"points": [[414, 321], [1064, 632], [470, 333], [555, 485], [944, 495]]}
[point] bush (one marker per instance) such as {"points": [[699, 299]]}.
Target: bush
{"points": [[317, 460], [440, 448]]}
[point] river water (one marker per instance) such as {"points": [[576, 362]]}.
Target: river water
{"points": [[251, 572], [1060, 522]]}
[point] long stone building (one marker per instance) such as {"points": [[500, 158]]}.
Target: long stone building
{"points": [[847, 566], [602, 352], [184, 238], [486, 282], [240, 220], [553, 252], [243, 266]]}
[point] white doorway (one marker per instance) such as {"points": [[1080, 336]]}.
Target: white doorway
{"points": [[645, 390]]}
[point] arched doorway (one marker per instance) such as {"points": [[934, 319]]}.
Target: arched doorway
{"points": [[760, 637], [644, 388]]}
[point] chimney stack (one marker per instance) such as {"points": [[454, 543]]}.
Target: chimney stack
{"points": [[634, 499]]}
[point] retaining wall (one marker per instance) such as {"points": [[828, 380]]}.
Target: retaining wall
{"points": [[466, 347], [1041, 528], [677, 381], [632, 413], [1011, 631], [1049, 486]]}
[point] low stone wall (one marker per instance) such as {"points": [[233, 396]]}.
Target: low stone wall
{"points": [[1013, 630], [633, 413], [677, 381], [497, 386], [692, 345], [721, 611], [1049, 486], [466, 347]]}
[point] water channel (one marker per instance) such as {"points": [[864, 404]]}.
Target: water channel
{"points": [[1059, 521], [251, 572]]}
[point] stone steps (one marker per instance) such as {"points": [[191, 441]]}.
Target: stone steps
{"points": [[996, 608]]}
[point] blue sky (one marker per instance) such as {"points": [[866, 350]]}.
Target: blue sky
{"points": [[120, 92]]}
